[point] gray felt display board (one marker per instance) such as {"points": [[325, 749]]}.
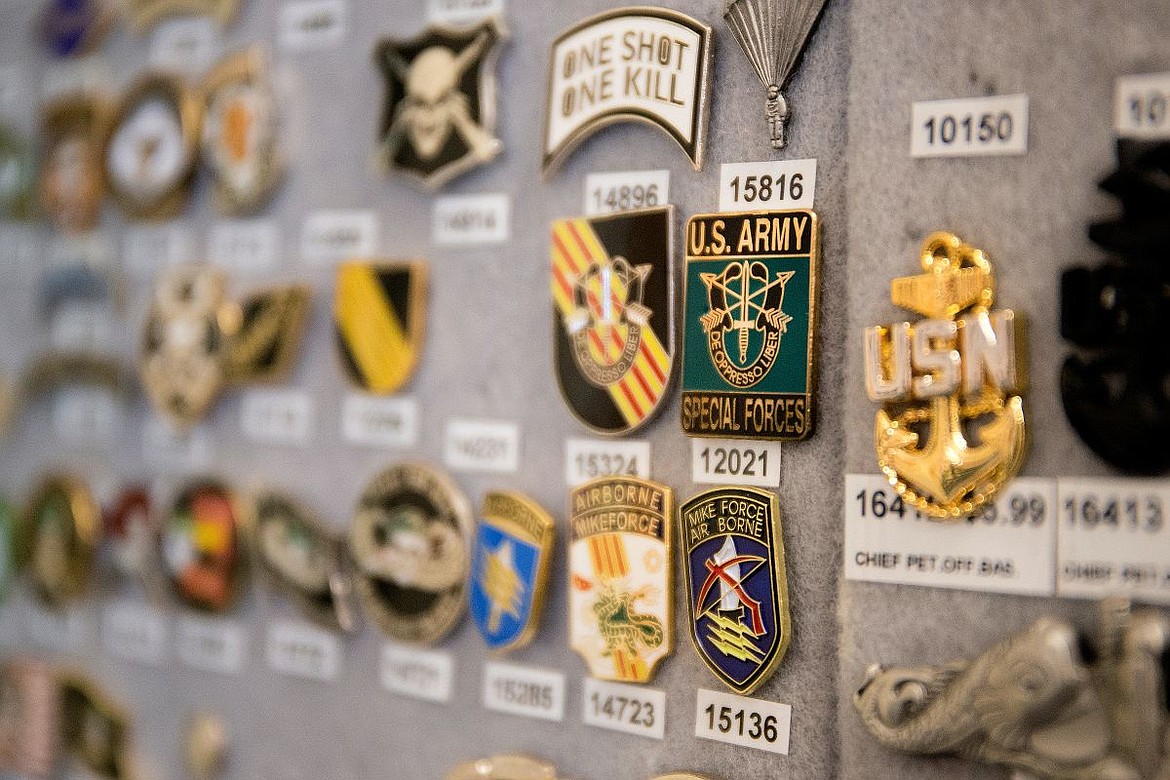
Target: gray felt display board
{"points": [[488, 354]]}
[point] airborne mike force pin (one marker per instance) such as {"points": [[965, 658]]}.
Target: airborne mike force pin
{"points": [[59, 535], [411, 541], [509, 569], [950, 431], [750, 324], [439, 117], [736, 583], [620, 583], [612, 286], [379, 318], [202, 548]]}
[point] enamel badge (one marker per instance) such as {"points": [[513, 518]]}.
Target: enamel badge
{"points": [[439, 118], [620, 583], [612, 285], [302, 559], [379, 317], [59, 535], [17, 175], [411, 540], [239, 141], [503, 767], [749, 326], [736, 583], [71, 28], [131, 536], [202, 549], [30, 718], [509, 569], [95, 731], [152, 149], [71, 180], [950, 431], [145, 14], [636, 64]]}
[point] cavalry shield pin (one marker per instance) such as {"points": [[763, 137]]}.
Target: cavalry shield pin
{"points": [[620, 577], [509, 569], [613, 315], [749, 326], [736, 583], [379, 314], [950, 432]]}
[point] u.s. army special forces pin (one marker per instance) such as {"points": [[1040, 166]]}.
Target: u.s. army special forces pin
{"points": [[509, 569], [749, 325], [736, 583], [411, 541], [439, 118], [613, 296], [950, 431], [58, 538], [202, 546], [620, 583], [379, 317]]}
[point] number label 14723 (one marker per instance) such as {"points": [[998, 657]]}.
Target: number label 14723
{"points": [[632, 709], [738, 720]]}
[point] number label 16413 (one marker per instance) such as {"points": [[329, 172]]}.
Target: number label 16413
{"points": [[738, 720]]}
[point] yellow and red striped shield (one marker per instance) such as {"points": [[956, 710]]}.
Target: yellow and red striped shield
{"points": [[379, 313], [613, 295]]}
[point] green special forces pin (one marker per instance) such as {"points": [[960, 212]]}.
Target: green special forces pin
{"points": [[736, 583], [411, 541], [749, 325], [59, 534]]}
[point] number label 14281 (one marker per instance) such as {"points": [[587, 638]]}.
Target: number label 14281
{"points": [[738, 720], [731, 462], [970, 127]]}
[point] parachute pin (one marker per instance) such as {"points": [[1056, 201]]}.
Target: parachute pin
{"points": [[772, 34]]}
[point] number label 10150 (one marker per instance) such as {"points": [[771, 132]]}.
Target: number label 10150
{"points": [[970, 127], [738, 720]]}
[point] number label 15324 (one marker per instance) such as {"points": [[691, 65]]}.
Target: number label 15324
{"points": [[738, 720]]}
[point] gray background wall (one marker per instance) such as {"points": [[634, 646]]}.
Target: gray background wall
{"points": [[488, 355]]}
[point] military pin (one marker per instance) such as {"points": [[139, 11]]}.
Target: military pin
{"points": [[30, 718], [509, 569], [773, 39], [411, 541], [635, 64], [950, 379], [59, 533], [239, 142], [131, 535], [439, 116], [750, 323], [504, 767], [95, 730], [17, 175], [206, 746], [202, 549], [379, 318], [72, 183], [152, 149], [612, 286], [736, 583], [145, 14], [71, 28], [301, 558], [620, 583]]}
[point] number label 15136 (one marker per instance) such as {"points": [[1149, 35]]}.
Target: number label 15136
{"points": [[738, 720]]}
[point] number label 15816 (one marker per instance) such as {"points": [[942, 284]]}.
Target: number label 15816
{"points": [[738, 720]]}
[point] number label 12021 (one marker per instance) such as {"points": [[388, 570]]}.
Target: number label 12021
{"points": [[738, 720], [631, 709], [970, 127], [731, 462]]}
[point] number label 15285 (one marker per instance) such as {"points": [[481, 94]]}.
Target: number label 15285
{"points": [[738, 720]]}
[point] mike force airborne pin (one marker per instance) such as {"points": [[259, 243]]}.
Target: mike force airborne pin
{"points": [[613, 316], [736, 583], [379, 317], [509, 569], [620, 582], [749, 325], [439, 118], [951, 430]]}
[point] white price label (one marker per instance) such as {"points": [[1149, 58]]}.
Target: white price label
{"points": [[735, 462], [969, 127], [1114, 539], [82, 325], [57, 631], [300, 650], [190, 44], [379, 422], [313, 24], [249, 245], [606, 193], [85, 74], [770, 184], [587, 459], [1008, 547], [1140, 106], [211, 644], [739, 720], [417, 673], [471, 219], [135, 632], [163, 446], [632, 709], [277, 416], [84, 414], [331, 236], [482, 445], [462, 12], [524, 691], [150, 248]]}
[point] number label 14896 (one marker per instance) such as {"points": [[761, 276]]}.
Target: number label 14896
{"points": [[738, 720], [731, 462]]}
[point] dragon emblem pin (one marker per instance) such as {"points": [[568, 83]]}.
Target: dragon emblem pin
{"points": [[951, 429]]}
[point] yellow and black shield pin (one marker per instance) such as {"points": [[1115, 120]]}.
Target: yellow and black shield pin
{"points": [[379, 313]]}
